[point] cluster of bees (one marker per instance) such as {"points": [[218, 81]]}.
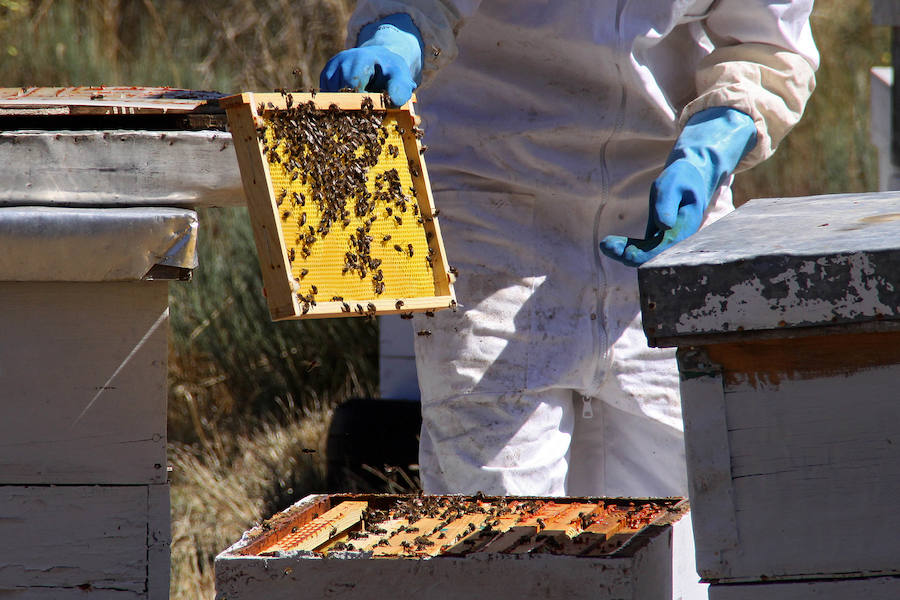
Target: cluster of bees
{"points": [[330, 152]]}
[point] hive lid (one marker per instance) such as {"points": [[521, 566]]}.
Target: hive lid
{"points": [[109, 107], [776, 265]]}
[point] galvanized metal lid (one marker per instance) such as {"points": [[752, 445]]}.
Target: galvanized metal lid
{"points": [[776, 265]]}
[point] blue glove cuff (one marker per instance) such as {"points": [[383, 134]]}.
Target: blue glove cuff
{"points": [[400, 35], [714, 141]]}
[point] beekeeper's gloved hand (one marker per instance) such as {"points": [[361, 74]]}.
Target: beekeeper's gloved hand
{"points": [[709, 148], [387, 58]]}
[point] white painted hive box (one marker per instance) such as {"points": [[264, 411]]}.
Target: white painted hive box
{"points": [[377, 546], [786, 318]]}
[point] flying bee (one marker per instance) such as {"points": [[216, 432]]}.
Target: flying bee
{"points": [[303, 273], [285, 215], [386, 238], [398, 248], [426, 333], [429, 313]]}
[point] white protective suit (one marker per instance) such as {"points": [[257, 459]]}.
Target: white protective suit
{"points": [[547, 122]]}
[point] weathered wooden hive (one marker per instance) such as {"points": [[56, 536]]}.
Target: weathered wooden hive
{"points": [[787, 318], [376, 546], [96, 219]]}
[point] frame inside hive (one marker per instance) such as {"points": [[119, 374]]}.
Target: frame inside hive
{"points": [[387, 526], [315, 261]]}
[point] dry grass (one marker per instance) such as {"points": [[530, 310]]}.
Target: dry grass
{"points": [[226, 484]]}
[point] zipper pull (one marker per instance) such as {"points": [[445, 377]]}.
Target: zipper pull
{"points": [[587, 410]]}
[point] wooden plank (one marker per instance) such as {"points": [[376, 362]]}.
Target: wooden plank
{"points": [[108, 99], [373, 539], [74, 538], [806, 457], [404, 543], [159, 541], [321, 529], [520, 534], [766, 363], [322, 100], [270, 531], [267, 232], [708, 458], [83, 383], [564, 524], [460, 534], [125, 168], [448, 577], [601, 525], [76, 593]]}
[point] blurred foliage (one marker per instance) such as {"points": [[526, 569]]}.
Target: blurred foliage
{"points": [[829, 151], [227, 45], [232, 364]]}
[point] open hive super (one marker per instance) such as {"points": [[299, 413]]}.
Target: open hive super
{"points": [[340, 204], [431, 526]]}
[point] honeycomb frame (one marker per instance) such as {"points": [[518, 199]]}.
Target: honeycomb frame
{"points": [[409, 247]]}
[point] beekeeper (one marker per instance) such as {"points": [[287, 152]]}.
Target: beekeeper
{"points": [[550, 125]]}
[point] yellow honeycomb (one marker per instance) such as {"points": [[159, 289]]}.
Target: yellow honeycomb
{"points": [[406, 275]]}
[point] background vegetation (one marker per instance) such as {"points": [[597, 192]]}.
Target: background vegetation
{"points": [[249, 399]]}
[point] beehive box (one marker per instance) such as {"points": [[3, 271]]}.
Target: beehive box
{"points": [[376, 546], [786, 314], [340, 204]]}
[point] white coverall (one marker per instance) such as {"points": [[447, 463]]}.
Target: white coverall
{"points": [[547, 123]]}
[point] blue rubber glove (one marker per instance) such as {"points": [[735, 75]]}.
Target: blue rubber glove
{"points": [[387, 58], [709, 148]]}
